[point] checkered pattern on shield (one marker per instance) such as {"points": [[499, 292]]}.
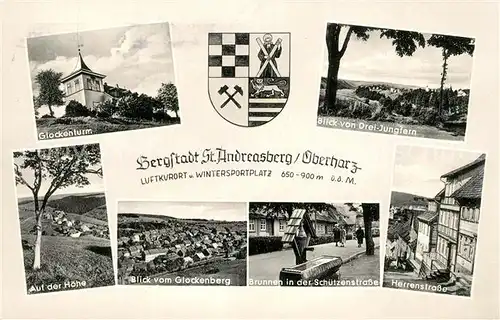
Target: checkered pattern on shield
{"points": [[228, 55]]}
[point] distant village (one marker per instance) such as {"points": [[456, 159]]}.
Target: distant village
{"points": [[440, 237], [63, 225], [174, 245]]}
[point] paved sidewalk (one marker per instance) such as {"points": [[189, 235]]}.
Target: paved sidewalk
{"points": [[267, 266]]}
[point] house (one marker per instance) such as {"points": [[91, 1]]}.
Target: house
{"points": [[459, 184], [75, 234], [84, 86], [427, 234], [198, 256], [136, 238], [323, 222], [181, 252], [262, 222], [207, 252], [150, 255], [469, 199], [135, 251], [348, 216], [187, 262]]}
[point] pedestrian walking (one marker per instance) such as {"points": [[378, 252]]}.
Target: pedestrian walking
{"points": [[360, 234], [336, 235], [343, 236]]}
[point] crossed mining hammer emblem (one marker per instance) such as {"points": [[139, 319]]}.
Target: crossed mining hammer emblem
{"points": [[230, 97]]}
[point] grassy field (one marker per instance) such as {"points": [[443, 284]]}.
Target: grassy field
{"points": [[235, 270], [67, 259], [89, 125]]}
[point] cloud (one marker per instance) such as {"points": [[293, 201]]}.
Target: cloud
{"points": [[140, 60]]}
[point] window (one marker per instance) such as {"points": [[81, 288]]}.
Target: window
{"points": [[97, 85], [470, 214], [466, 247], [282, 225], [251, 226], [69, 88], [89, 84], [77, 85], [263, 225]]}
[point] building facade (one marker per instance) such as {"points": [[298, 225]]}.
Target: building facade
{"points": [[459, 216], [84, 86]]}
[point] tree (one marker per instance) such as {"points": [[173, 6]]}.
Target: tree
{"points": [[59, 168], [137, 106], [371, 212], [450, 46], [76, 109], [36, 106], [405, 42], [167, 94], [50, 94]]}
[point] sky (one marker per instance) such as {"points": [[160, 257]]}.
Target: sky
{"points": [[229, 211], [96, 184], [418, 169], [376, 60], [138, 58]]}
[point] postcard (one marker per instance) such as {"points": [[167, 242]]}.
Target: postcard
{"points": [[63, 218]]}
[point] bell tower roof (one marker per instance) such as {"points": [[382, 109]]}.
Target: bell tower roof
{"points": [[81, 64], [81, 67]]}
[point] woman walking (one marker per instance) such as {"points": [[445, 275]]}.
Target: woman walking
{"points": [[360, 234], [343, 236]]}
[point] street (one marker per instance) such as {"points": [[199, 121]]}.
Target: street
{"points": [[267, 266], [363, 268]]}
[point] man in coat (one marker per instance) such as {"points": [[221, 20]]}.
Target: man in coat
{"points": [[360, 234]]}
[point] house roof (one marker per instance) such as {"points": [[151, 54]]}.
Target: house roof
{"points": [[400, 228], [81, 67], [471, 189], [479, 161], [428, 217], [264, 213], [439, 195]]}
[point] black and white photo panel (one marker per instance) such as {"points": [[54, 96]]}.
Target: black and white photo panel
{"points": [[100, 81], [182, 243], [314, 244], [397, 82], [433, 227], [63, 218]]}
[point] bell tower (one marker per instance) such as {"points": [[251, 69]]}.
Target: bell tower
{"points": [[84, 85]]}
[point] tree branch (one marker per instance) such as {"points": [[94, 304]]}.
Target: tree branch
{"points": [[98, 171], [57, 181], [346, 41], [21, 179]]}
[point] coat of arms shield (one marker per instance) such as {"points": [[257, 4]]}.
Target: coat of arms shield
{"points": [[249, 76]]}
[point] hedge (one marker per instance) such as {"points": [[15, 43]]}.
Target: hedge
{"points": [[258, 245], [321, 240]]}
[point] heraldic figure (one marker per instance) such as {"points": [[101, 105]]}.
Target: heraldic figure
{"points": [[268, 54]]}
